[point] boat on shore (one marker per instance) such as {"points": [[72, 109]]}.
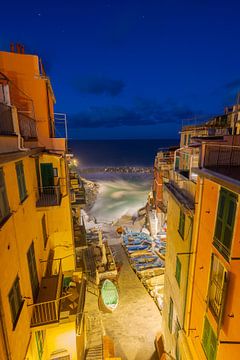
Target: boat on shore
{"points": [[109, 297]]}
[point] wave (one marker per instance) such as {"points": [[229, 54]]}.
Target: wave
{"points": [[119, 197]]}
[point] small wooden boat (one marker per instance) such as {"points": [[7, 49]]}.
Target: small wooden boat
{"points": [[109, 297]]}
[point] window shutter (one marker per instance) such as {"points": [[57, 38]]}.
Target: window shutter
{"points": [[4, 205], [170, 315], [21, 180], [225, 222], [178, 271]]}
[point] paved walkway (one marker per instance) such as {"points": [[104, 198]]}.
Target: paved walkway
{"points": [[134, 324]]}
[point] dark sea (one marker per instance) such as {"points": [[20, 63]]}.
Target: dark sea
{"points": [[102, 153], [120, 193]]}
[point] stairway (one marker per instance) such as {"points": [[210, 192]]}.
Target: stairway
{"points": [[94, 329]]}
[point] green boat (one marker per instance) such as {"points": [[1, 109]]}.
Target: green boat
{"points": [[109, 295]]}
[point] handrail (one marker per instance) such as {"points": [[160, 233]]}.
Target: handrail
{"points": [[50, 301]]}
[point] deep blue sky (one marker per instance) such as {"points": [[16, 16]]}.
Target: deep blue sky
{"points": [[131, 68]]}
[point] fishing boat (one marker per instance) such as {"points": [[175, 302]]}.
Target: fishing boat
{"points": [[109, 297], [131, 248]]}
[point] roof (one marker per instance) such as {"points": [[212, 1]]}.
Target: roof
{"points": [[15, 155], [229, 179]]}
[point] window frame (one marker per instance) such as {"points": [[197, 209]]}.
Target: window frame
{"points": [[15, 295], [22, 189], [217, 288]]}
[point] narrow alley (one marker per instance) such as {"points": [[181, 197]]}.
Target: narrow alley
{"points": [[135, 322]]}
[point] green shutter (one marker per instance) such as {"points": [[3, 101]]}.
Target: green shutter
{"points": [[206, 331], [15, 300], [4, 206], [178, 270], [170, 315], [33, 271], [44, 230], [225, 222], [209, 341], [181, 223], [21, 181]]}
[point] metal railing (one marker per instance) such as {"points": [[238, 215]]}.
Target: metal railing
{"points": [[6, 120], [48, 311], [48, 196], [221, 156], [27, 126], [60, 125]]}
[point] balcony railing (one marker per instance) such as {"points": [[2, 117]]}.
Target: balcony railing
{"points": [[223, 159], [6, 120], [27, 126], [46, 310], [185, 161], [48, 196]]}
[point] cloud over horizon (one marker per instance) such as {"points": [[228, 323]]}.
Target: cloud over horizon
{"points": [[99, 85], [143, 113]]}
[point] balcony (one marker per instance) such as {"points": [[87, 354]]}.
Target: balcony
{"points": [[185, 160], [6, 120], [223, 159], [50, 195], [46, 310], [27, 126]]}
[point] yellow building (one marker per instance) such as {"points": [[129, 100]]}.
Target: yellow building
{"points": [[38, 315], [202, 278], [180, 211]]}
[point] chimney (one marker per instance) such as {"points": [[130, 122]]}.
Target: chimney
{"points": [[18, 46], [12, 47]]}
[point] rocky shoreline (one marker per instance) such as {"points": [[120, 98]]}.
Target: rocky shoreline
{"points": [[91, 193]]}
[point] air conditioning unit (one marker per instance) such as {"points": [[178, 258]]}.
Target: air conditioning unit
{"points": [[61, 354]]}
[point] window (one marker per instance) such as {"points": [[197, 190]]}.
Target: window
{"points": [[181, 225], [170, 315], [40, 339], [178, 270], [33, 271], [217, 286], [225, 222], [15, 301], [185, 139], [4, 206], [55, 172], [44, 230], [209, 341], [21, 181]]}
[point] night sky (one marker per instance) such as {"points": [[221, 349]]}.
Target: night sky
{"points": [[131, 68]]}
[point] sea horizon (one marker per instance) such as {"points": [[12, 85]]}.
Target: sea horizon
{"points": [[118, 153]]}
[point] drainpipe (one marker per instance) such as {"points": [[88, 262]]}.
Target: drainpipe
{"points": [[17, 130]]}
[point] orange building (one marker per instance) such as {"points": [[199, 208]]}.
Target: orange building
{"points": [[213, 328]]}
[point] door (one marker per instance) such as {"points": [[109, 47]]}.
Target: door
{"points": [[33, 271], [47, 175]]}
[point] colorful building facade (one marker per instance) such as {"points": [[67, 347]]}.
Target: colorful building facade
{"points": [[38, 307]]}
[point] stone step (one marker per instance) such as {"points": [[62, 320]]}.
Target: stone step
{"points": [[94, 353]]}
